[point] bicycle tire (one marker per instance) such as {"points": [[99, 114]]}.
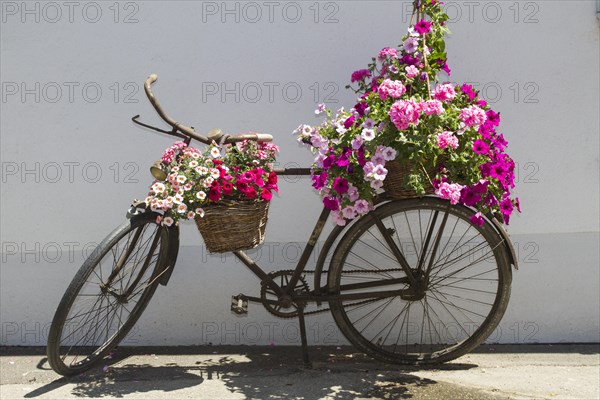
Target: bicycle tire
{"points": [[131, 239], [374, 326]]}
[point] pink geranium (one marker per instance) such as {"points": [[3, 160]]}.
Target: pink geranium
{"points": [[393, 89], [444, 92], [473, 116], [449, 191], [403, 113], [447, 139]]}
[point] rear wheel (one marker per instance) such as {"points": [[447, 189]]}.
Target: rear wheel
{"points": [[107, 295], [437, 316]]}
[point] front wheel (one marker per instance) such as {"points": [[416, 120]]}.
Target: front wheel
{"points": [[107, 295], [456, 295]]}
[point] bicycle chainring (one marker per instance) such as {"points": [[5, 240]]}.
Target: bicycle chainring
{"points": [[282, 278]]}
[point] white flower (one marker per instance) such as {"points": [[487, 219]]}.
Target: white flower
{"points": [[201, 195], [200, 212], [193, 164], [376, 184], [195, 156], [215, 152], [340, 128], [389, 154], [368, 134], [214, 173], [181, 179], [191, 214], [158, 187], [168, 221], [208, 182], [178, 199], [379, 172], [181, 209]]}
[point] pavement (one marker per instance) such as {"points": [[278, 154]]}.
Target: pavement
{"points": [[276, 372]]}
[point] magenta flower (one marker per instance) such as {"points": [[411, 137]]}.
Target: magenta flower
{"points": [[468, 90], [360, 75], [340, 185], [329, 161], [320, 180], [493, 117], [506, 206], [331, 203], [349, 122], [423, 27], [477, 219], [480, 147], [469, 197]]}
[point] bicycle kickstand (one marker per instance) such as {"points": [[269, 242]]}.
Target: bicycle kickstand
{"points": [[305, 358]]}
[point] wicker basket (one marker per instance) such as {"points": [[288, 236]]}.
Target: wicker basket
{"points": [[393, 184], [235, 225]]}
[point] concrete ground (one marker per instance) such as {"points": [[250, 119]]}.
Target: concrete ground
{"points": [[276, 372]]}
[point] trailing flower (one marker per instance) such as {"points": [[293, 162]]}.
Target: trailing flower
{"points": [[405, 113], [196, 179]]}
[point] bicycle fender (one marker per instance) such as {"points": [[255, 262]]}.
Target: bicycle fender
{"points": [[510, 248], [139, 208], [172, 255]]}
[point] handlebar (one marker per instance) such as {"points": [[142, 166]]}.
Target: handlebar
{"points": [[214, 135]]}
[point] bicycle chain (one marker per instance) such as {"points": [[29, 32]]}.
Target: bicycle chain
{"points": [[291, 271]]}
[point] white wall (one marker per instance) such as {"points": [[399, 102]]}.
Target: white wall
{"points": [[72, 161]]}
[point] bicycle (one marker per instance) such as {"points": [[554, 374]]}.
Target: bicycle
{"points": [[411, 282]]}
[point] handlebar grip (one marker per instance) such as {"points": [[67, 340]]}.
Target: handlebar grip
{"points": [[151, 79], [264, 137]]}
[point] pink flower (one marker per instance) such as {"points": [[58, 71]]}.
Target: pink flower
{"points": [[473, 116], [431, 107], [353, 193], [449, 191], [394, 89], [348, 212], [361, 207], [387, 52], [444, 92], [411, 71], [403, 113], [447, 139], [331, 203], [338, 219]]}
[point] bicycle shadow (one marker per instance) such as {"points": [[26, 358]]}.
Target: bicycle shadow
{"points": [[247, 372]]}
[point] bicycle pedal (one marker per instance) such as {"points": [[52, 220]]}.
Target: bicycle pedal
{"points": [[239, 304]]}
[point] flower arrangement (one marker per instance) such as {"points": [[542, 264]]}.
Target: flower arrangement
{"points": [[405, 115], [196, 179]]}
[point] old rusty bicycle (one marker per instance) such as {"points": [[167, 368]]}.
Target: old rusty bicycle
{"points": [[411, 282]]}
